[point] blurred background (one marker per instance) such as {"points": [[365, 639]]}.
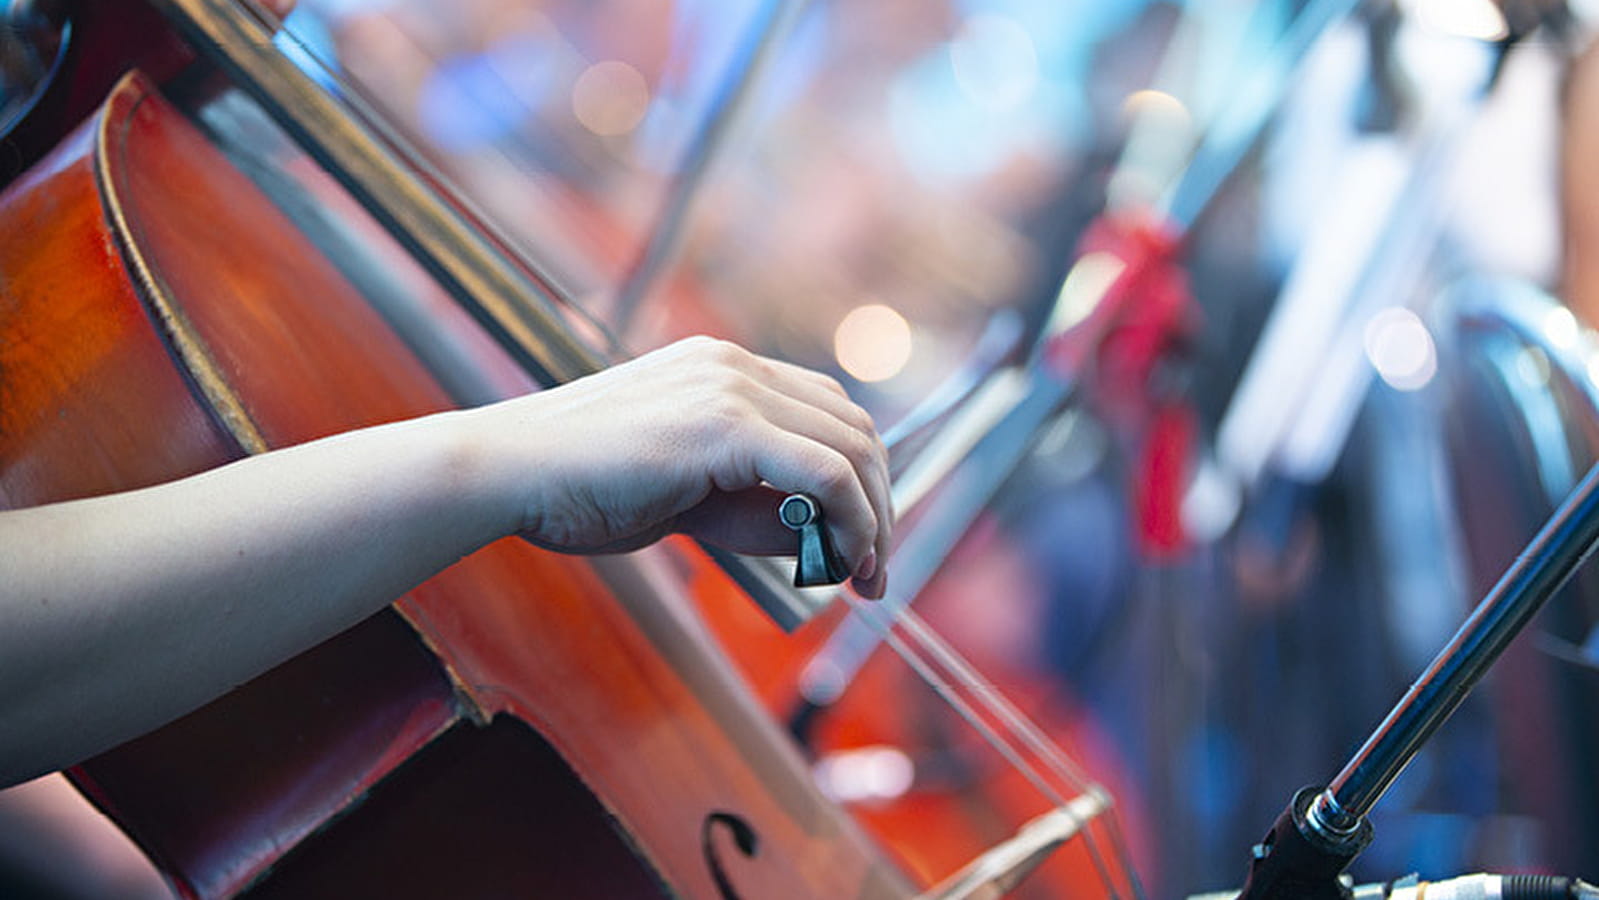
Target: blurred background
{"points": [[1349, 373]]}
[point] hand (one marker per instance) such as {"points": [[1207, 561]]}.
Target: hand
{"points": [[701, 437], [196, 585]]}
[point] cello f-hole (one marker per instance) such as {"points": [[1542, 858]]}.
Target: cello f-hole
{"points": [[744, 838]]}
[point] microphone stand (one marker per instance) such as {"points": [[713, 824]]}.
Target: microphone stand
{"points": [[1323, 829]]}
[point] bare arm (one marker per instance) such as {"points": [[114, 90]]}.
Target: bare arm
{"points": [[120, 613]]}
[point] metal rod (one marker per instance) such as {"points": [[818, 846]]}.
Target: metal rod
{"points": [[1236, 131], [772, 23], [1565, 542]]}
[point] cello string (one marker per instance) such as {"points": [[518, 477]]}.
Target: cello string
{"points": [[1004, 709], [950, 695], [1029, 731], [1031, 734], [1018, 722], [1039, 741], [946, 690], [1119, 846], [1000, 744]]}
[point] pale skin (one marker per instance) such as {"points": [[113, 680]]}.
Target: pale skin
{"points": [[1580, 188], [120, 613]]}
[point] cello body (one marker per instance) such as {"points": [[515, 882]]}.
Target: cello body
{"points": [[523, 724]]}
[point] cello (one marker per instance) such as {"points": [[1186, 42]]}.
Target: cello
{"points": [[538, 719]]}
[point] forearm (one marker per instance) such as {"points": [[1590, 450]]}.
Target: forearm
{"points": [[120, 613], [176, 593]]}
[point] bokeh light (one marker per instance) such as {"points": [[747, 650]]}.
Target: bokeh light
{"points": [[1560, 328], [873, 343], [1401, 349], [865, 774], [610, 98], [1477, 19], [1158, 104]]}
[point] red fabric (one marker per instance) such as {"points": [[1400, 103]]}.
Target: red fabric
{"points": [[1160, 480], [1145, 319]]}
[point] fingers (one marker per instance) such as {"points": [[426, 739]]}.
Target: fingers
{"points": [[805, 387], [868, 462], [800, 432], [797, 381], [871, 460], [719, 419], [790, 461]]}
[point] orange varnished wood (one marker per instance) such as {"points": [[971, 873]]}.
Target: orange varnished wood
{"points": [[608, 664], [82, 374], [91, 402]]}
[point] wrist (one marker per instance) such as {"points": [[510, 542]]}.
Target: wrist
{"points": [[472, 484], [486, 465]]}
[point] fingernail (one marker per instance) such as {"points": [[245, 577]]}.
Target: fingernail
{"points": [[868, 566], [873, 588]]}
